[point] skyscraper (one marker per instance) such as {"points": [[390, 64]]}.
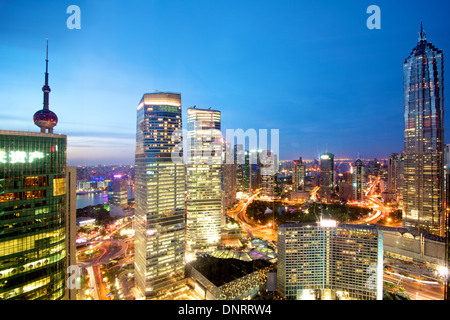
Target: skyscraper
{"points": [[327, 170], [254, 158], [229, 179], [326, 176], [118, 192], [395, 175], [447, 222], [159, 195], [36, 243], [204, 180], [298, 175], [33, 208], [71, 228], [239, 162], [269, 168], [423, 193], [359, 180]]}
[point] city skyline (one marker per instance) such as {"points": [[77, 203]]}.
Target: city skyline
{"points": [[242, 68], [343, 196]]}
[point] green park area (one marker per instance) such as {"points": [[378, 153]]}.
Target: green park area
{"points": [[89, 254], [262, 212]]}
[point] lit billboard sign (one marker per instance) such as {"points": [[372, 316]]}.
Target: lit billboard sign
{"points": [[20, 156]]}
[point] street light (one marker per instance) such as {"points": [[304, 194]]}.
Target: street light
{"points": [[442, 271]]}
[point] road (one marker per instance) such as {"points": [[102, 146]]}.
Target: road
{"points": [[93, 283], [100, 285], [111, 250], [238, 213], [416, 290]]}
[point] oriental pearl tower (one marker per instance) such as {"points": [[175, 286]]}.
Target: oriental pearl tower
{"points": [[44, 118]]}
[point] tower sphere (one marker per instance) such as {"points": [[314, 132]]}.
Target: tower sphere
{"points": [[45, 118]]}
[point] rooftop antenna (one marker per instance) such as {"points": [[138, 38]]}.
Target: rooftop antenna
{"points": [[46, 88], [422, 34]]}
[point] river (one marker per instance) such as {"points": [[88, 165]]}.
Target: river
{"points": [[92, 199]]}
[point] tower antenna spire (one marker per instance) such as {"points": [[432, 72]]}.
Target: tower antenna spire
{"points": [[46, 60], [46, 87], [45, 119], [422, 35]]}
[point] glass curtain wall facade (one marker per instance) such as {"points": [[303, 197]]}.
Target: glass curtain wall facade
{"points": [[359, 181], [268, 171], [229, 179], [239, 163], [33, 209], [395, 176], [203, 180], [423, 193], [327, 170], [159, 196], [298, 175], [118, 193]]}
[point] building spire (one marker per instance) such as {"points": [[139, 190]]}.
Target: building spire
{"points": [[422, 34], [46, 87], [46, 65]]}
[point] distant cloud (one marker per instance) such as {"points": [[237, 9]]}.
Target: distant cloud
{"points": [[86, 150]]}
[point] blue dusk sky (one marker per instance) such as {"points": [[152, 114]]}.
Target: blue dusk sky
{"points": [[311, 69]]}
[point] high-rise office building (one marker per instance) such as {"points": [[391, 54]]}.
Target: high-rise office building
{"points": [[269, 168], [447, 245], [423, 193], [118, 192], [326, 177], [204, 180], [229, 180], [243, 169], [395, 175], [373, 168], [239, 162], [358, 180], [298, 175], [71, 228], [255, 169], [159, 195], [33, 207], [327, 261], [447, 217], [327, 170], [36, 239]]}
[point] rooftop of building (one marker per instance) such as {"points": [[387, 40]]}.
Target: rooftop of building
{"points": [[338, 225], [223, 271], [259, 251], [31, 134], [195, 108], [411, 232]]}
